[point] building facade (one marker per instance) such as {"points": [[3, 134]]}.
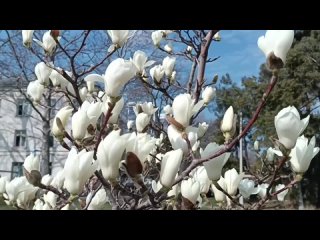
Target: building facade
{"points": [[21, 132]]}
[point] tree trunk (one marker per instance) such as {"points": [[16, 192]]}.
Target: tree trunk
{"points": [[45, 148]]}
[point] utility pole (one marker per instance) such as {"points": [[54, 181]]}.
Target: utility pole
{"points": [[240, 153]]}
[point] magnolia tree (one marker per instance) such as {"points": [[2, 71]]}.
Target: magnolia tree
{"points": [[151, 165]]}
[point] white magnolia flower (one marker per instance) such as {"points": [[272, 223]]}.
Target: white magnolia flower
{"points": [[51, 199], [157, 37], [208, 94], [302, 154], [116, 110], [167, 110], [277, 41], [98, 201], [201, 176], [168, 48], [289, 126], [66, 207], [19, 191], [263, 189], [109, 154], [270, 154], [32, 162], [228, 124], [177, 141], [91, 79], [3, 182], [141, 145], [48, 43], [157, 73], [63, 114], [118, 73], [27, 38], [168, 65], [156, 186], [169, 167], [83, 93], [130, 124], [232, 179], [190, 189], [256, 145], [246, 188], [184, 108], [282, 195], [202, 129], [80, 122], [58, 179], [215, 165], [42, 72], [46, 179], [142, 121], [146, 107], [189, 49], [77, 170], [219, 195], [35, 90], [140, 60], [118, 38], [217, 37]]}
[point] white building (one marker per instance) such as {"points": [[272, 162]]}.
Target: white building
{"points": [[21, 132]]}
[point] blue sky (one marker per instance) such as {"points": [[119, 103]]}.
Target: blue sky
{"points": [[240, 55]]}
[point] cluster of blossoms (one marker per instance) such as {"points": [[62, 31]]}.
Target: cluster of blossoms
{"points": [[103, 156]]}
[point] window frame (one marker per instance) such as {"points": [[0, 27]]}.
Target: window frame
{"points": [[20, 133]]}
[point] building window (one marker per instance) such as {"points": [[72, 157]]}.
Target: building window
{"points": [[51, 141], [16, 169], [22, 108], [20, 138]]}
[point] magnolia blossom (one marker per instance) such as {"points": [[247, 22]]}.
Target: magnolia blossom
{"points": [[142, 121], [118, 38], [57, 79], [289, 126], [168, 48], [282, 195], [270, 154], [201, 176], [27, 38], [189, 49], [263, 189], [168, 65], [146, 107], [157, 37], [178, 142], [80, 122], [215, 165], [228, 124], [172, 78], [169, 167], [116, 110], [219, 195], [208, 94], [46, 179], [156, 186], [51, 199], [140, 60], [32, 162], [130, 124], [19, 191], [184, 108], [217, 37], [83, 93], [35, 90], [98, 201], [42, 72], [246, 188], [167, 110], [118, 73], [190, 189], [141, 145], [91, 79], [202, 129], [109, 154], [157, 73], [232, 179], [277, 42], [77, 170], [302, 154], [58, 179], [3, 182], [256, 145], [64, 115], [48, 43]]}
